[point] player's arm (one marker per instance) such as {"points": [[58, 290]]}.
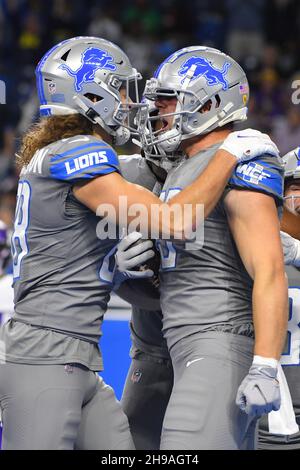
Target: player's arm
{"points": [[206, 189], [254, 224], [255, 227]]}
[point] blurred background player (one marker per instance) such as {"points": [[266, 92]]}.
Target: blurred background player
{"points": [[6, 290], [176, 98], [62, 278], [6, 305], [269, 431]]}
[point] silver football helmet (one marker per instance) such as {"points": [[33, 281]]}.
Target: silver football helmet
{"points": [[195, 75], [291, 161], [72, 73]]}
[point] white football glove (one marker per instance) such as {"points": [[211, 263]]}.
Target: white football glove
{"points": [[128, 257], [259, 392], [248, 144], [291, 249]]}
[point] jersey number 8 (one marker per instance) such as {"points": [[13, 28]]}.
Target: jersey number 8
{"points": [[19, 239]]}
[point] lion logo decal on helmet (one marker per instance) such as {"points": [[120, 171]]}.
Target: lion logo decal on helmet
{"points": [[204, 68], [92, 60]]}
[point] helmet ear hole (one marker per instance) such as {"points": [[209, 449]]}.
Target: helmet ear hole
{"points": [[206, 107], [218, 101], [93, 98]]}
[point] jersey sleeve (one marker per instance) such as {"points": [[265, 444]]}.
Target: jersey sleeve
{"points": [[264, 174], [84, 158]]}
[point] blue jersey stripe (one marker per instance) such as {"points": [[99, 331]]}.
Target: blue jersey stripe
{"points": [[271, 183], [273, 188], [267, 177], [90, 146], [60, 173]]}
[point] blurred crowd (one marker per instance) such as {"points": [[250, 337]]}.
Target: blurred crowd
{"points": [[260, 34]]}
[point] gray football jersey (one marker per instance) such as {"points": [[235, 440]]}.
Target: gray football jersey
{"points": [[134, 168], [62, 279], [207, 287], [146, 325]]}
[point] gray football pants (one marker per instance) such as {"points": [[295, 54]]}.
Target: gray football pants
{"points": [[202, 414], [59, 407], [145, 398]]}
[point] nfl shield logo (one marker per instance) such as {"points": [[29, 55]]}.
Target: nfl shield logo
{"points": [[136, 376], [52, 87]]}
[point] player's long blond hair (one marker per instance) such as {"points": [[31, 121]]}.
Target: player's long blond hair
{"points": [[51, 129]]}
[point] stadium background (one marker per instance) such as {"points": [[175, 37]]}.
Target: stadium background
{"points": [[260, 34]]}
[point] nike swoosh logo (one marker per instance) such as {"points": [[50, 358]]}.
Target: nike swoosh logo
{"points": [[80, 139], [195, 360], [245, 136]]}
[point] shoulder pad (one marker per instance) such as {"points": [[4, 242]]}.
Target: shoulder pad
{"points": [[264, 174], [80, 158]]}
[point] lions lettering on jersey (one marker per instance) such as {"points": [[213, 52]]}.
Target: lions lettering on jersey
{"points": [[83, 161]]}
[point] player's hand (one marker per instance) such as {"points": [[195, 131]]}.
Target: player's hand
{"points": [[291, 249], [248, 144], [128, 257], [259, 392]]}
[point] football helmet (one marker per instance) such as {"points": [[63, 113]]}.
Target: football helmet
{"points": [[73, 72], [196, 76], [291, 161]]}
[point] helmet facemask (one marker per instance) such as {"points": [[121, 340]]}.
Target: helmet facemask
{"points": [[292, 195], [150, 123]]}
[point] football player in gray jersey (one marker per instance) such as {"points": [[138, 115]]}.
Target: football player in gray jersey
{"points": [[150, 377], [290, 360], [215, 295], [50, 394]]}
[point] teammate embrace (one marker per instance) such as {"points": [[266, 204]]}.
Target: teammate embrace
{"points": [[223, 300]]}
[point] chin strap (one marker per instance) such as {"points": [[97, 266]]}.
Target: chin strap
{"points": [[120, 135]]}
